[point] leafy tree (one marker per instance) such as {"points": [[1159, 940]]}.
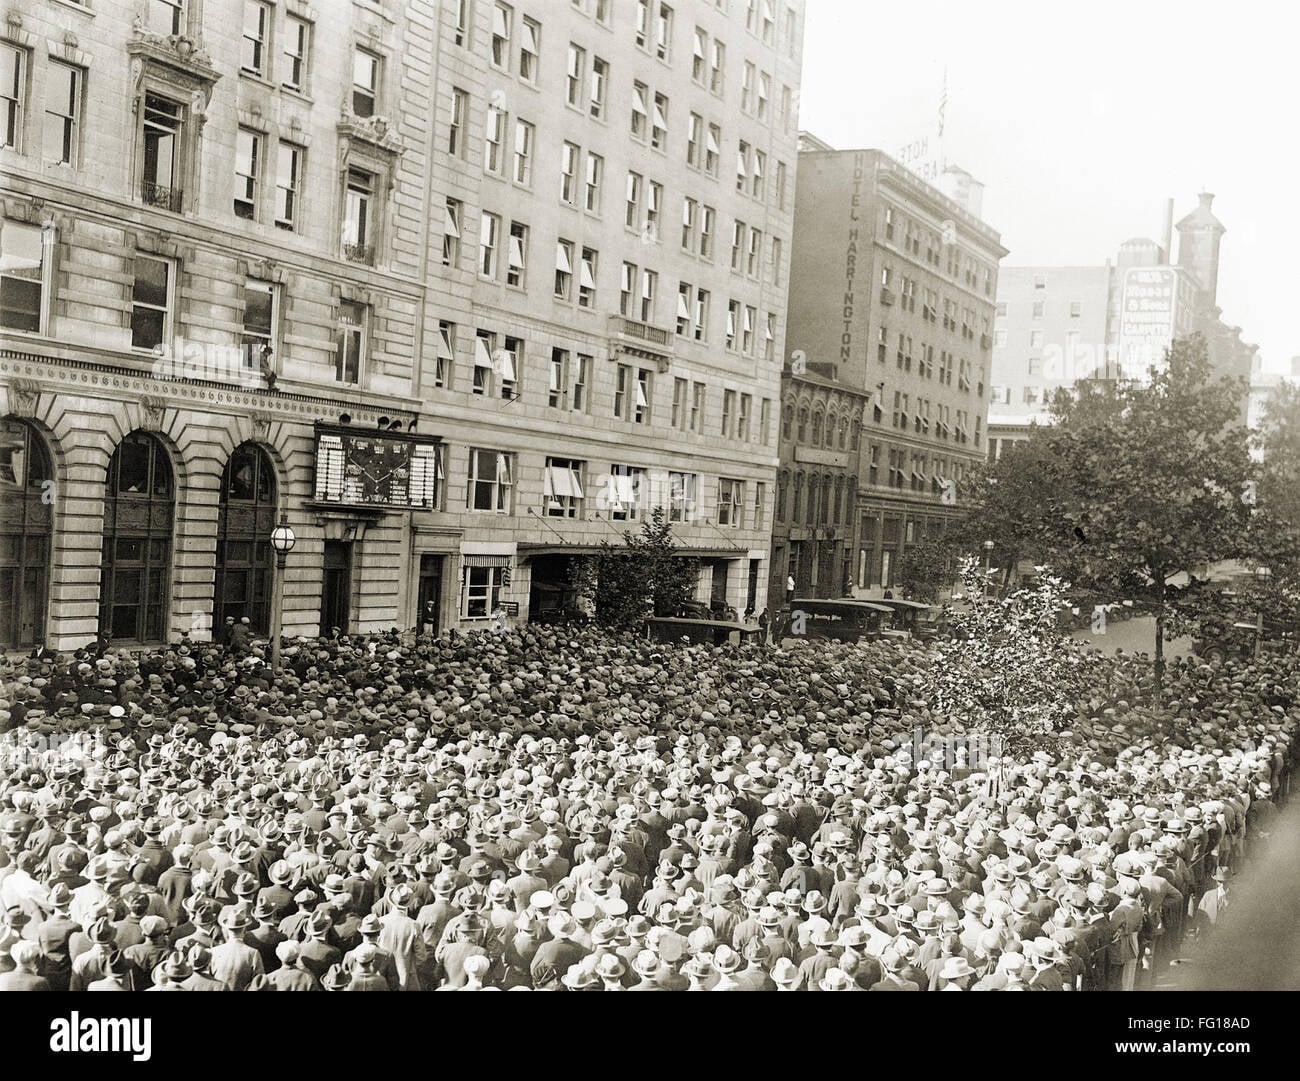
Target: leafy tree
{"points": [[646, 575], [926, 568]]}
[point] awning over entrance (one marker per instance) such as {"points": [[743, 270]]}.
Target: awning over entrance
{"points": [[527, 551]]}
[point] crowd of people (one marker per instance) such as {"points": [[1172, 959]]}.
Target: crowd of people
{"points": [[552, 808]]}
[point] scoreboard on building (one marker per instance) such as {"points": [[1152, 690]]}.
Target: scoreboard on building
{"points": [[360, 468]]}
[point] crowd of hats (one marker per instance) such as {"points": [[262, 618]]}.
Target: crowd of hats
{"points": [[551, 808]]}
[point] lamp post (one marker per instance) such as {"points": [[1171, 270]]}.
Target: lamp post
{"points": [[1262, 573], [282, 540], [988, 555]]}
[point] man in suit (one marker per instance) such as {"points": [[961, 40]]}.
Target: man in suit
{"points": [[24, 977], [235, 962], [53, 935], [402, 937]]}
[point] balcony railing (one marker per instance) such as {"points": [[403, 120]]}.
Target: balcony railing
{"points": [[161, 196], [359, 253], [633, 328]]}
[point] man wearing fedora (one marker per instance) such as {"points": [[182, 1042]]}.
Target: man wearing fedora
{"points": [[234, 962]]}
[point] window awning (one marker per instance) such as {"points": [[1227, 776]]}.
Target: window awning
{"points": [[562, 259], [640, 394], [443, 344], [586, 277], [731, 322], [530, 38], [482, 356], [633, 181], [638, 100], [505, 365], [516, 253], [660, 120], [449, 224], [484, 561], [742, 167], [711, 142], [683, 309], [629, 273], [653, 200], [574, 62], [699, 46], [688, 213], [499, 21]]}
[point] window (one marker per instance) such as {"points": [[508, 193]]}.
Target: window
{"points": [[733, 324], [769, 22], [577, 61], [640, 109], [485, 362], [501, 17], [494, 132], [599, 86], [642, 23], [712, 149], [764, 420], [569, 174], [742, 165], [456, 123], [747, 325], [623, 492], [581, 381], [649, 289], [562, 488], [760, 171], [563, 269], [632, 394], [595, 174], [296, 41], [701, 314], [694, 139], [257, 342], [685, 294], [679, 403], [699, 56], [737, 243], [365, 83], [716, 66], [460, 33], [507, 364], [754, 253], [445, 353], [1076, 309], [151, 297], [62, 112], [697, 408], [632, 216], [777, 258], [1035, 339], [167, 17], [248, 147], [659, 122], [1001, 308], [627, 291], [288, 180], [656, 197], [529, 49], [663, 31], [517, 256], [787, 108], [451, 233], [490, 481], [523, 152], [350, 342], [1000, 336], [23, 273], [731, 502], [162, 132], [587, 279], [483, 587], [1040, 281], [489, 232], [358, 196], [746, 86], [760, 494], [257, 20], [682, 495], [604, 10], [558, 389], [688, 224], [728, 411]]}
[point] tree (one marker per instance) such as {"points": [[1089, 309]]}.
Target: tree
{"points": [[926, 568], [1152, 476], [646, 575]]}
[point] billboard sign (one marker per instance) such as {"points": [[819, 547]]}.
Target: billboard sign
{"points": [[1147, 317], [376, 469]]}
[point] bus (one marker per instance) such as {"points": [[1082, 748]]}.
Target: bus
{"points": [[918, 620], [844, 620]]}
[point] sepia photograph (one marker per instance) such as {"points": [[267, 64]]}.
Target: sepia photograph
{"points": [[622, 495]]}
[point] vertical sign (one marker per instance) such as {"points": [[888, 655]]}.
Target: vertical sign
{"points": [[1147, 316]]}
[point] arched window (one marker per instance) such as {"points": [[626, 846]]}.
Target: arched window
{"points": [[844, 432], [797, 504], [787, 422], [827, 497], [136, 575], [817, 429], [855, 434], [831, 422], [837, 513], [803, 426], [782, 484], [245, 562], [26, 520]]}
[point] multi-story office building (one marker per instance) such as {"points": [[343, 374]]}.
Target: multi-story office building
{"points": [[457, 289], [1058, 324], [891, 312], [611, 291]]}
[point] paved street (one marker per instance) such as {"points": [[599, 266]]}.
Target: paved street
{"points": [[1133, 636]]}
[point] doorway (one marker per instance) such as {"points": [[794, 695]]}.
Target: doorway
{"points": [[336, 588], [428, 605]]}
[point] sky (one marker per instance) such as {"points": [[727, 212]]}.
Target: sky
{"points": [[1082, 119]]}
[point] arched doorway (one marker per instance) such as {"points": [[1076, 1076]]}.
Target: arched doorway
{"points": [[245, 562], [138, 516], [26, 526]]}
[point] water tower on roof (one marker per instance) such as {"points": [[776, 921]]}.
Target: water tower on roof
{"points": [[1198, 247]]}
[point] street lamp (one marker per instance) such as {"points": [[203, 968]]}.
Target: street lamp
{"points": [[1262, 573], [988, 554], [282, 540]]}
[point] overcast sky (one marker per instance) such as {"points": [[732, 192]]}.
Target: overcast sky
{"points": [[1081, 119]]}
